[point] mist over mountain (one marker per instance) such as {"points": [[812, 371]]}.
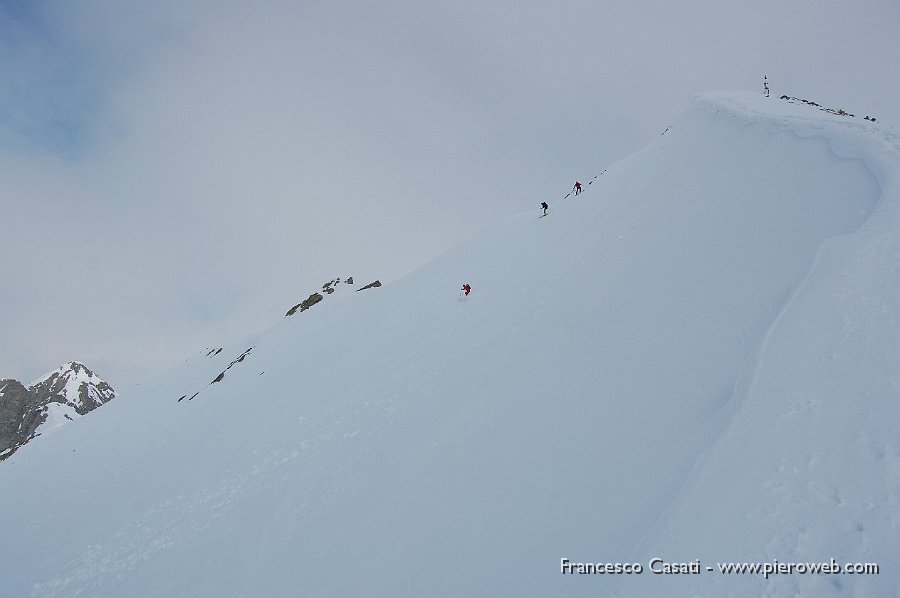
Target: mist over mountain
{"points": [[693, 360]]}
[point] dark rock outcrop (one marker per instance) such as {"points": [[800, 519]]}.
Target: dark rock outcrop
{"points": [[237, 360], [305, 304], [371, 285], [838, 111], [19, 416], [328, 288]]}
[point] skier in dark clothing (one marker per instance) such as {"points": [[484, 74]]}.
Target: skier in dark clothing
{"points": [[577, 188], [466, 289], [545, 206]]}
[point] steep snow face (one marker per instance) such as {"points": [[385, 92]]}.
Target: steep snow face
{"points": [[692, 359]]}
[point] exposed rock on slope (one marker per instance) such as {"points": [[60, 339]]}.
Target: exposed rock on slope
{"points": [[328, 288]]}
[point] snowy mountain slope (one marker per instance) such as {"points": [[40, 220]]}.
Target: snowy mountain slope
{"points": [[662, 364]]}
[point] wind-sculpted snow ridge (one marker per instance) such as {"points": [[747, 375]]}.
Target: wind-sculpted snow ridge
{"points": [[692, 360], [811, 457]]}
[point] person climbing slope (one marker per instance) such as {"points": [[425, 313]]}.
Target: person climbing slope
{"points": [[545, 206], [577, 188], [466, 289]]}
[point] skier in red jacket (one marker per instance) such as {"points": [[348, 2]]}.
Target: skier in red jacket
{"points": [[466, 289]]}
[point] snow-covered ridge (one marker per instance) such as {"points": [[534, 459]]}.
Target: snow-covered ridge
{"points": [[873, 143], [849, 137], [694, 359]]}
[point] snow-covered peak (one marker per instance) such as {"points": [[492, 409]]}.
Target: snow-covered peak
{"points": [[63, 395], [75, 385], [72, 368]]}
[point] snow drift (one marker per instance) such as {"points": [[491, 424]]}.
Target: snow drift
{"points": [[693, 359]]}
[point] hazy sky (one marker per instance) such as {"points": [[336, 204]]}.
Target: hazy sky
{"points": [[177, 174]]}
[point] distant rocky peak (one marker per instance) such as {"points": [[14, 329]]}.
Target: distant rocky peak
{"points": [[63, 395], [73, 384]]}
